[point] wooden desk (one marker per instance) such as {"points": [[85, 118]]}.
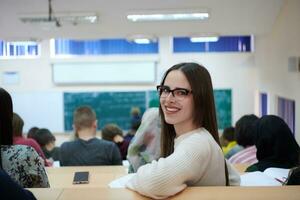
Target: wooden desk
{"points": [[100, 176], [193, 193], [100, 194], [237, 193], [46, 193]]}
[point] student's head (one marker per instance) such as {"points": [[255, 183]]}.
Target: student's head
{"points": [[6, 115], [45, 138], [244, 132], [190, 105], [275, 143], [18, 125], [32, 131], [228, 135], [135, 111], [84, 118], [111, 131]]}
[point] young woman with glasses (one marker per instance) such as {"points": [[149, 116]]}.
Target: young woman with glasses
{"points": [[190, 149]]}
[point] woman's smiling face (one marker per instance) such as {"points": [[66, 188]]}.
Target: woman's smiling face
{"points": [[178, 112]]}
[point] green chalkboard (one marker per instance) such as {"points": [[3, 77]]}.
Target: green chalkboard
{"points": [[153, 100], [115, 107], [110, 107], [223, 107]]}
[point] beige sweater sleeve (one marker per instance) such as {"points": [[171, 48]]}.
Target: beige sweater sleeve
{"points": [[170, 175]]}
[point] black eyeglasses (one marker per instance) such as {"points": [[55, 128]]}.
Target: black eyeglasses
{"points": [[178, 93]]}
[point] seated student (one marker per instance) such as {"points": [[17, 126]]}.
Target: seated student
{"points": [[191, 152], [244, 134], [230, 145], [135, 123], [47, 142], [86, 149], [112, 132], [275, 143], [18, 124], [21, 163], [11, 190], [145, 145], [32, 131]]}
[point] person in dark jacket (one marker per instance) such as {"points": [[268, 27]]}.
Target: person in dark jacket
{"points": [[87, 149], [275, 143]]}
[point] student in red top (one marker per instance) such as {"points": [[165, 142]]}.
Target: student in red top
{"points": [[18, 124]]}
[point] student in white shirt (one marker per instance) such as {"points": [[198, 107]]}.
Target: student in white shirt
{"points": [[190, 147]]}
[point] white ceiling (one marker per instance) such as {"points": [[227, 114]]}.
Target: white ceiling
{"points": [[228, 17]]}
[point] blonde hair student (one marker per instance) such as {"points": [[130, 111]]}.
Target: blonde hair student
{"points": [[190, 149]]}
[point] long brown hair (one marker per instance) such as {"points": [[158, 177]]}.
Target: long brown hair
{"points": [[204, 105]]}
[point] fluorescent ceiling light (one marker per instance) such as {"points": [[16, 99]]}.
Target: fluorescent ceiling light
{"points": [[142, 40], [168, 16], [204, 39]]}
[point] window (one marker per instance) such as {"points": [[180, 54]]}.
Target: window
{"points": [[22, 49], [224, 44], [286, 110], [263, 98], [101, 47]]}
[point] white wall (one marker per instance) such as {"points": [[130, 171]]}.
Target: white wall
{"points": [[271, 58]]}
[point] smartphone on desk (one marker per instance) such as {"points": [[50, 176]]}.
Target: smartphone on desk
{"points": [[81, 177]]}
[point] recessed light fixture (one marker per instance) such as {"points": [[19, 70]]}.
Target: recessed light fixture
{"points": [[167, 16], [142, 39], [204, 39]]}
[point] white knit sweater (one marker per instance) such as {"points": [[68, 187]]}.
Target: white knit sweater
{"points": [[197, 160]]}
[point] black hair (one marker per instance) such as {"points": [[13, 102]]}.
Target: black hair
{"points": [[275, 144], [32, 131], [6, 115], [229, 134], [244, 130], [43, 136]]}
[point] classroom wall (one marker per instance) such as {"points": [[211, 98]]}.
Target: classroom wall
{"points": [[271, 58], [228, 70]]}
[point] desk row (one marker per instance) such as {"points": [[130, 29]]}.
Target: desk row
{"points": [[191, 193]]}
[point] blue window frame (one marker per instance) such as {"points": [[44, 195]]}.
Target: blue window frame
{"points": [[286, 110], [224, 44], [102, 47], [263, 104], [19, 49]]}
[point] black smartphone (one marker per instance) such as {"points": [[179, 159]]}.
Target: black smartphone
{"points": [[81, 177]]}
